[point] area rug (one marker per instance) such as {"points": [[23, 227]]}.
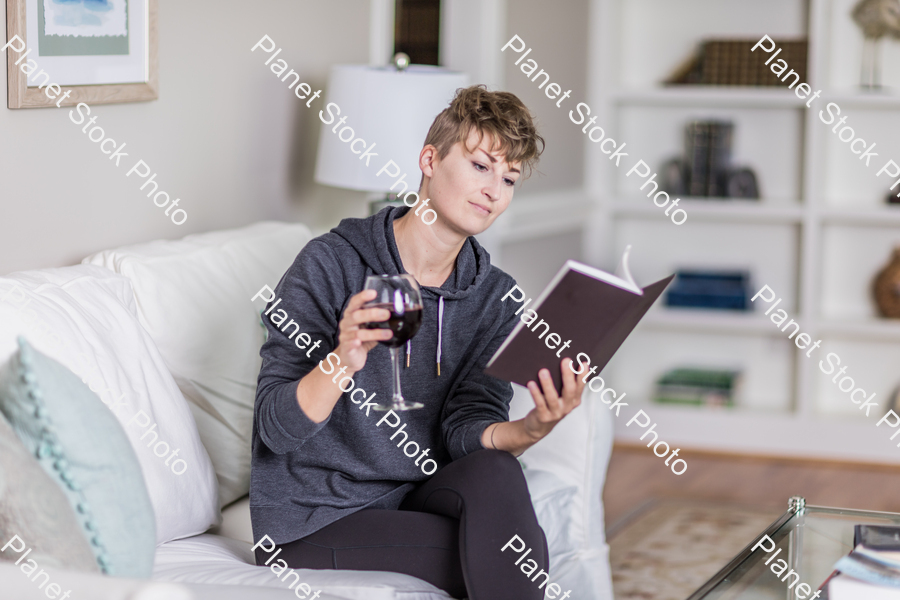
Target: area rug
{"points": [[667, 549]]}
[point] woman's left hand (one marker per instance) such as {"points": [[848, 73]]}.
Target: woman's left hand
{"points": [[549, 406]]}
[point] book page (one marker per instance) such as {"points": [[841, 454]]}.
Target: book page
{"points": [[626, 283], [623, 272]]}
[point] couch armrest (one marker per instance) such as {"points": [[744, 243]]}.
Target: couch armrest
{"points": [[577, 451]]}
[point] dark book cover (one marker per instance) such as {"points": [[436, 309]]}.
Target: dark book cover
{"points": [[721, 134], [697, 157], [594, 310]]}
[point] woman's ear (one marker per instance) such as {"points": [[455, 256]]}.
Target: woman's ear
{"points": [[428, 158]]}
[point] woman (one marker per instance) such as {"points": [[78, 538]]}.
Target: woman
{"points": [[329, 483]]}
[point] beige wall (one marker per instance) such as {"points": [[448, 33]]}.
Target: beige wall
{"points": [[225, 136], [557, 32]]}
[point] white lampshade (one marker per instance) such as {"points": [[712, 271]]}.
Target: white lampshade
{"points": [[392, 109]]}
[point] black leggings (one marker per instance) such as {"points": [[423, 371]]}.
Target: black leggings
{"points": [[448, 532]]}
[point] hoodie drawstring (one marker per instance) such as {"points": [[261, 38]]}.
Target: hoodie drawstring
{"points": [[440, 336], [440, 331]]}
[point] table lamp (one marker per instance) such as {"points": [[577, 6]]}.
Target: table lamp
{"points": [[391, 107]]}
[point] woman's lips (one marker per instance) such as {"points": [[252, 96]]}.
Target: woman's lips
{"points": [[480, 209]]}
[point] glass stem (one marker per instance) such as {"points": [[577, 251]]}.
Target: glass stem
{"points": [[395, 362]]}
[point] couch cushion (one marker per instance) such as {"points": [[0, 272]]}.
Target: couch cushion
{"points": [[84, 586], [35, 509], [193, 296], [84, 317], [214, 559], [84, 449]]}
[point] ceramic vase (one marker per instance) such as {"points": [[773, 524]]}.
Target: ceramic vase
{"points": [[886, 288]]}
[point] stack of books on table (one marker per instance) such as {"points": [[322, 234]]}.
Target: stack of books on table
{"points": [[700, 387], [871, 571]]}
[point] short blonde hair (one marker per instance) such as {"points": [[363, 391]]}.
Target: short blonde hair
{"points": [[500, 114]]}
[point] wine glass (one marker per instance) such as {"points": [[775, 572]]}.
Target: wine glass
{"points": [[400, 295]]}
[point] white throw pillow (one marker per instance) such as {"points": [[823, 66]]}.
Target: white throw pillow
{"points": [[84, 317], [193, 296]]}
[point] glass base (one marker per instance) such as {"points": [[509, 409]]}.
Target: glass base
{"points": [[402, 405]]}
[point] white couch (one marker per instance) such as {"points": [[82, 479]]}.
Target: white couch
{"points": [[194, 343]]}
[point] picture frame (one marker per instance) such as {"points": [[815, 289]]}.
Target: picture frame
{"points": [[91, 64]]}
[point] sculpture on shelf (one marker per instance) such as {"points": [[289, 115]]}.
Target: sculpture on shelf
{"points": [[705, 171], [876, 18], [886, 288]]}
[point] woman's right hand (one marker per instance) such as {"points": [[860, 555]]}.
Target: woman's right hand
{"points": [[354, 341]]}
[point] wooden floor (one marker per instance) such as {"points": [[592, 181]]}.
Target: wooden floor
{"points": [[636, 476]]}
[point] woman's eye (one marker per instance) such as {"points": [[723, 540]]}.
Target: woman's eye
{"points": [[509, 182], [480, 167]]}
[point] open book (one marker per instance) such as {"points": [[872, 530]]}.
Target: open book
{"points": [[592, 310]]}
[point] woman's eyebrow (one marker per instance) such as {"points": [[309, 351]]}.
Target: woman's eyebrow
{"points": [[490, 157]]}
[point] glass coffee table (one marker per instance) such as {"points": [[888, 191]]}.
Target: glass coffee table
{"points": [[811, 539]]}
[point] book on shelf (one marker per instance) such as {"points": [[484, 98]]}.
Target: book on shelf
{"points": [[696, 154], [707, 152], [696, 386], [705, 171], [719, 290], [593, 309], [721, 134]]}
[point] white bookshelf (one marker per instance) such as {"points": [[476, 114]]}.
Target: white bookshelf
{"points": [[818, 235]]}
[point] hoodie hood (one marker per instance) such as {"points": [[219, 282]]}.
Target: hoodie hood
{"points": [[373, 239]]}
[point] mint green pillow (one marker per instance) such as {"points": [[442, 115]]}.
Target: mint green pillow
{"points": [[36, 511], [82, 446]]}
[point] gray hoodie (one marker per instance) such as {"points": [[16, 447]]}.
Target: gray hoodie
{"points": [[306, 475]]}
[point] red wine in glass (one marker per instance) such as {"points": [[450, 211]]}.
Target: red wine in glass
{"points": [[400, 296], [404, 324]]}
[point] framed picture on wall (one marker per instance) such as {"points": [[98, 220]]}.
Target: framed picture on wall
{"points": [[93, 51]]}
